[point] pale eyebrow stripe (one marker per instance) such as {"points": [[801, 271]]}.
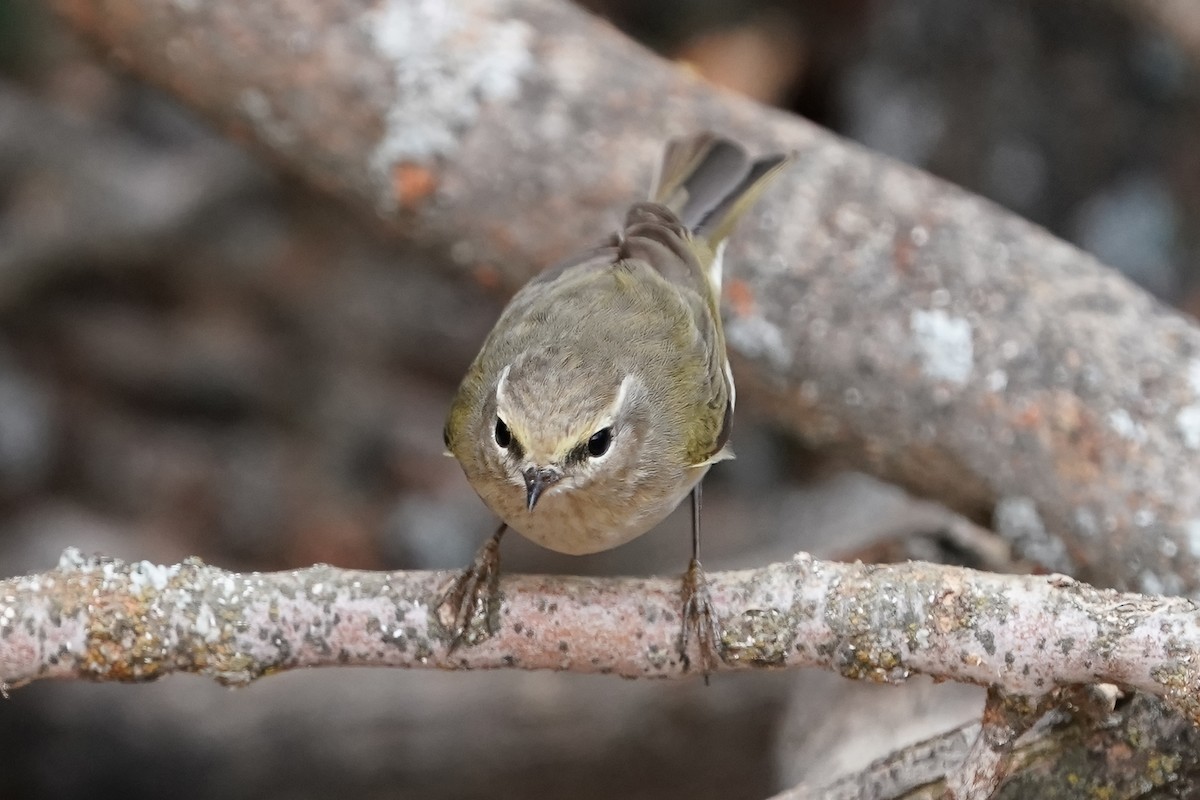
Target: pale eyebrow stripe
{"points": [[500, 385], [618, 403], [621, 392]]}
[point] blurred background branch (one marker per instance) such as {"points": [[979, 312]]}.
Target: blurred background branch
{"points": [[260, 378], [884, 317], [1051, 755]]}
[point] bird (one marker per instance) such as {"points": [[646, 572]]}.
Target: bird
{"points": [[604, 394]]}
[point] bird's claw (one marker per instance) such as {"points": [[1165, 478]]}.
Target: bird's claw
{"points": [[469, 609], [699, 614]]}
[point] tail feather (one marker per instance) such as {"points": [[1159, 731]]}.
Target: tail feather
{"points": [[709, 182]]}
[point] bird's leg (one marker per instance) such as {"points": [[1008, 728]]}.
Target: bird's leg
{"points": [[470, 607], [698, 611]]}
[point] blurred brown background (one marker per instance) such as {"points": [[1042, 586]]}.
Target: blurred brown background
{"points": [[200, 357]]}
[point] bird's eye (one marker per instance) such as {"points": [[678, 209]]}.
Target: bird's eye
{"points": [[600, 442], [503, 435]]}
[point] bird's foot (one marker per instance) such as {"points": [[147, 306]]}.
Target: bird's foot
{"points": [[700, 616], [470, 608]]}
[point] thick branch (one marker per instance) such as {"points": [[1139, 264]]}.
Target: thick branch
{"points": [[925, 334], [107, 620]]}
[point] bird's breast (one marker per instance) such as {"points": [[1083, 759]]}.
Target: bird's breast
{"points": [[578, 521]]}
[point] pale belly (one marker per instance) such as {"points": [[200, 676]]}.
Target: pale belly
{"points": [[570, 521]]}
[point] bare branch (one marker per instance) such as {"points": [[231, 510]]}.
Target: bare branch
{"points": [[1178, 19], [984, 768], [104, 619], [1153, 756], [924, 334]]}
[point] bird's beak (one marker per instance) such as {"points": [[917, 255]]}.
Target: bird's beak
{"points": [[538, 481]]}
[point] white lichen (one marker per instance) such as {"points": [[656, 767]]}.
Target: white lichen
{"points": [[1144, 517], [1126, 426], [1085, 522], [1187, 422], [206, 625], [448, 60], [943, 345], [1017, 520], [1149, 583], [70, 559], [1192, 530], [144, 573], [1194, 375], [271, 127], [757, 338]]}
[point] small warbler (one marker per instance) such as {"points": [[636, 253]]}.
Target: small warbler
{"points": [[603, 394]]}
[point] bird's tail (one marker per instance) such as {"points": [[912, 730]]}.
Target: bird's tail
{"points": [[709, 182]]}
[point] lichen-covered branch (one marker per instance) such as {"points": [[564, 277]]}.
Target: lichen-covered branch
{"points": [[1141, 751], [108, 620], [922, 333]]}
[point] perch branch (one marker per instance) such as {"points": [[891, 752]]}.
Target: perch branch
{"points": [[109, 620], [921, 333]]}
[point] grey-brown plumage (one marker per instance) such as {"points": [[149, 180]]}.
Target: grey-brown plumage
{"points": [[603, 394]]}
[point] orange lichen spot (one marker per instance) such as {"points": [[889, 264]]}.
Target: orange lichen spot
{"points": [[741, 299], [904, 253], [412, 183], [502, 239], [487, 276], [762, 58], [1030, 417]]}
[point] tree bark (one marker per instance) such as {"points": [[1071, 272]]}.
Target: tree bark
{"points": [[1029, 636]]}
